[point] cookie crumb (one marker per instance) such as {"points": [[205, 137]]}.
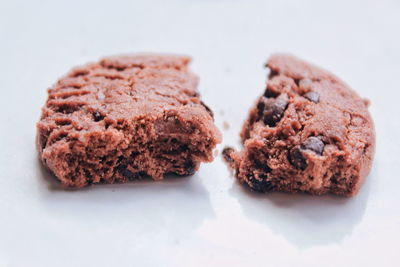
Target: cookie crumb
{"points": [[227, 155], [216, 152], [226, 125]]}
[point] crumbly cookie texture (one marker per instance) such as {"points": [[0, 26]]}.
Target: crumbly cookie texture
{"points": [[123, 118], [308, 132]]}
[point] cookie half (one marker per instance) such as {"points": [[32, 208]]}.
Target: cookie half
{"points": [[308, 132], [123, 118]]}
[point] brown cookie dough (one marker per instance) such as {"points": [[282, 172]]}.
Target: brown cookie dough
{"points": [[123, 118], [308, 132]]}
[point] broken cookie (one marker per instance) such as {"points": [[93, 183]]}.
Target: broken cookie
{"points": [[308, 132], [123, 118]]}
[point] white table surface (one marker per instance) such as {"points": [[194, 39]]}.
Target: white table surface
{"points": [[208, 219]]}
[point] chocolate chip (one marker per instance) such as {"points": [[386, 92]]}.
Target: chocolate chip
{"points": [[270, 94], [208, 109], [261, 106], [189, 167], [334, 180], [271, 110], [97, 116], [123, 170], [296, 154], [272, 73], [312, 96], [297, 158], [262, 166], [314, 144], [79, 73], [260, 185], [134, 154]]}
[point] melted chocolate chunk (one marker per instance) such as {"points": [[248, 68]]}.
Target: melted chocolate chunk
{"points": [[296, 155], [312, 96], [271, 110]]}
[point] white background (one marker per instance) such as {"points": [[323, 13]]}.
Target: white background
{"points": [[208, 219]]}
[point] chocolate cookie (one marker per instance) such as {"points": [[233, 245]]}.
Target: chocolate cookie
{"points": [[308, 132], [123, 118]]}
